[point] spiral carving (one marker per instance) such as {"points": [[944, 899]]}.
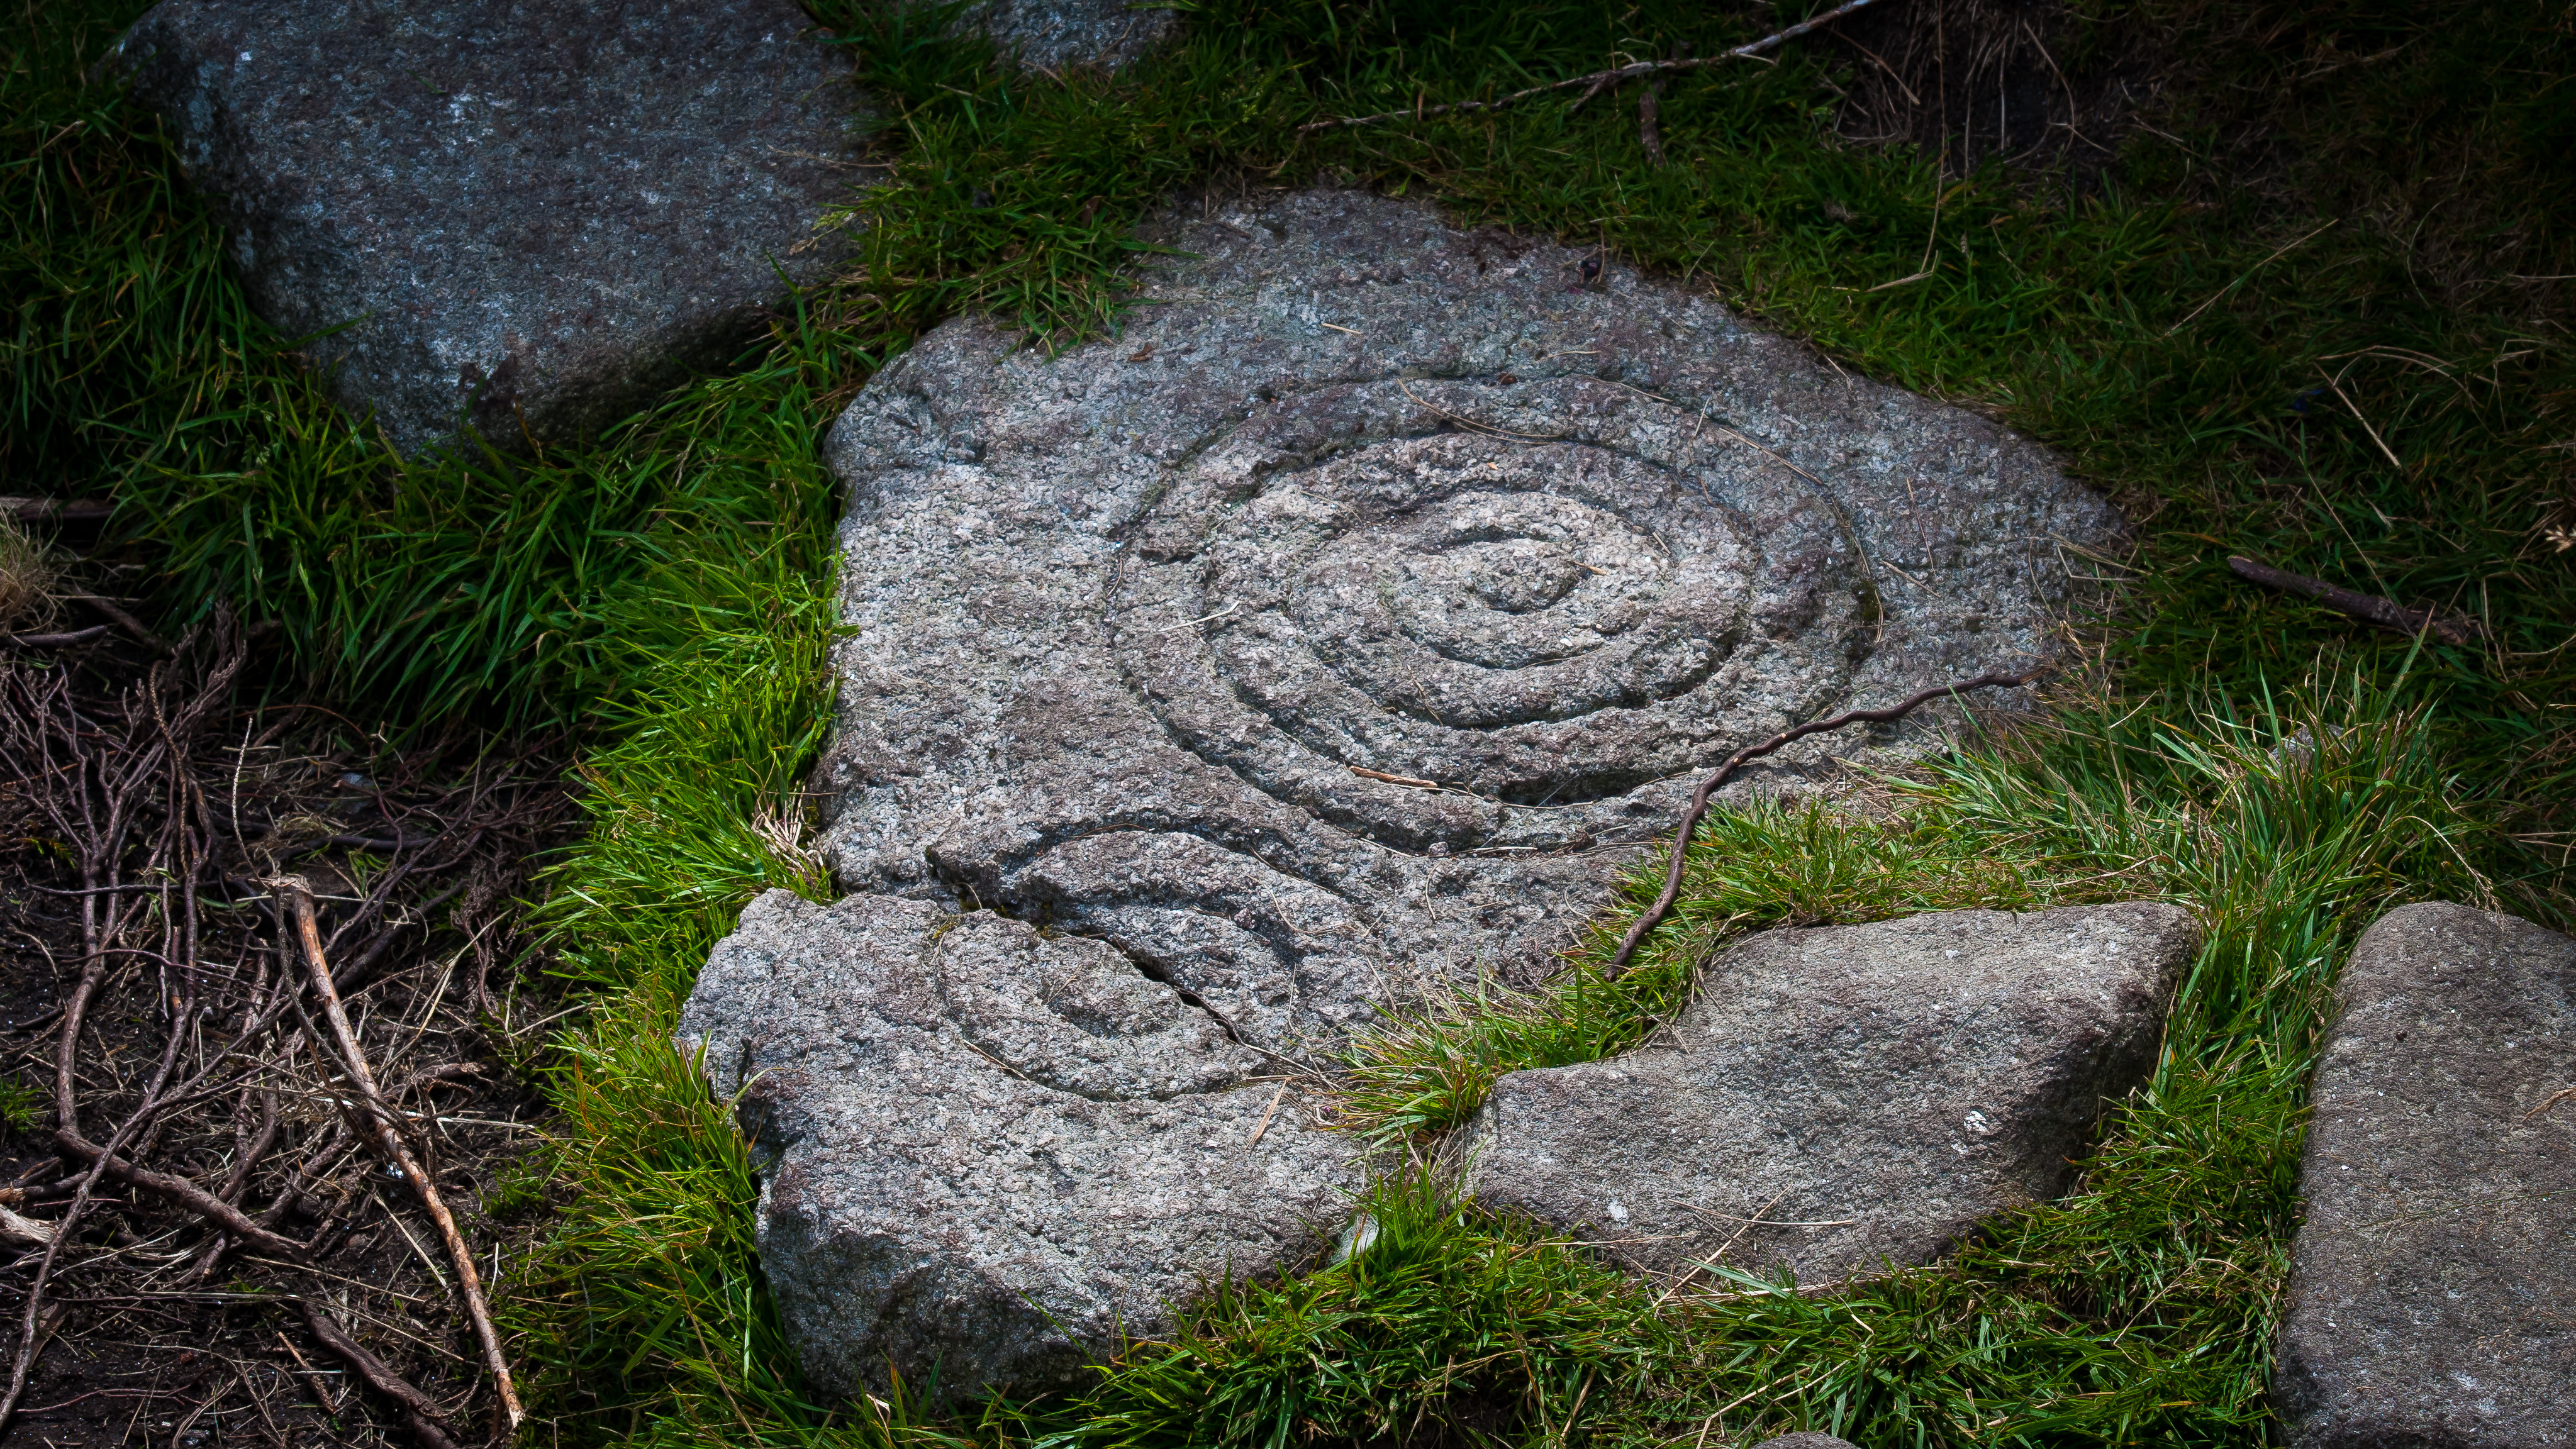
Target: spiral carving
{"points": [[1313, 664], [1519, 622]]}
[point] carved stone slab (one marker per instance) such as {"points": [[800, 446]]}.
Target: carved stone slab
{"points": [[1350, 619]]}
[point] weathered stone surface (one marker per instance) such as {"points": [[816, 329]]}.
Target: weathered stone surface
{"points": [[1360, 492], [2433, 1286], [1050, 35], [538, 210], [1840, 1095], [985, 1150], [1806, 1439]]}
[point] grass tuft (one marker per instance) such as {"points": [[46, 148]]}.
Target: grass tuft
{"points": [[1748, 868], [27, 578], [1447, 1317]]}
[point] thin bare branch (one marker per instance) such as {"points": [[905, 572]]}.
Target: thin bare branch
{"points": [[2369, 608], [1597, 81], [421, 1413], [298, 898], [1992, 679]]}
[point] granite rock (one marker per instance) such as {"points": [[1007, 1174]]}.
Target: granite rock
{"points": [[984, 1151], [536, 213], [1840, 1095], [1344, 625], [1805, 1439], [2432, 1281], [1051, 35]]}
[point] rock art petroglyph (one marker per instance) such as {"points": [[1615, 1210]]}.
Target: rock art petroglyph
{"points": [[1345, 623]]}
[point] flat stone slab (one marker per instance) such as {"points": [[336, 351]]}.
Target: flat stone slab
{"points": [[987, 1151], [1346, 623], [1838, 1096], [2432, 1293], [1051, 35], [544, 212]]}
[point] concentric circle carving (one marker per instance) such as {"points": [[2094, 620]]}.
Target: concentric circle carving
{"points": [[1343, 625], [1543, 624]]}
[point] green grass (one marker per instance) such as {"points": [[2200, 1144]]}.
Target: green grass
{"points": [[2383, 401], [19, 1105], [647, 1315], [1765, 865], [1447, 1307]]}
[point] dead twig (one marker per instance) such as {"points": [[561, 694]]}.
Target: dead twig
{"points": [[63, 640], [2369, 608], [56, 510], [160, 828], [1650, 130], [313, 1170], [298, 898], [1992, 679], [88, 778], [116, 614], [180, 1191], [25, 1230], [259, 1148], [1598, 81], [33, 1327], [420, 1412], [2552, 1100]]}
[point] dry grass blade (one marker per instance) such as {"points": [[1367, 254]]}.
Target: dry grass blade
{"points": [[27, 578]]}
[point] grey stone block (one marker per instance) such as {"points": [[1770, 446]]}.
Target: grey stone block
{"points": [[1051, 35], [544, 211], [986, 1152], [2432, 1294], [1343, 627], [1838, 1096]]}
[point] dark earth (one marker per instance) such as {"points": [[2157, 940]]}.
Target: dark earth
{"points": [[417, 853]]}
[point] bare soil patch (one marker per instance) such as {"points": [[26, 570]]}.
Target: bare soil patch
{"points": [[155, 999]]}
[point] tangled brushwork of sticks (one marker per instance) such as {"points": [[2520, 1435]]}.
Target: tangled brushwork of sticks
{"points": [[275, 1051]]}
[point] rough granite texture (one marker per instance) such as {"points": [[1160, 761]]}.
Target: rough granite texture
{"points": [[1356, 491], [1840, 1095], [985, 1150], [2432, 1294], [1807, 1439], [1051, 35], [544, 211]]}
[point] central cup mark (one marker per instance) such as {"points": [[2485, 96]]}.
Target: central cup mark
{"points": [[1510, 578]]}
